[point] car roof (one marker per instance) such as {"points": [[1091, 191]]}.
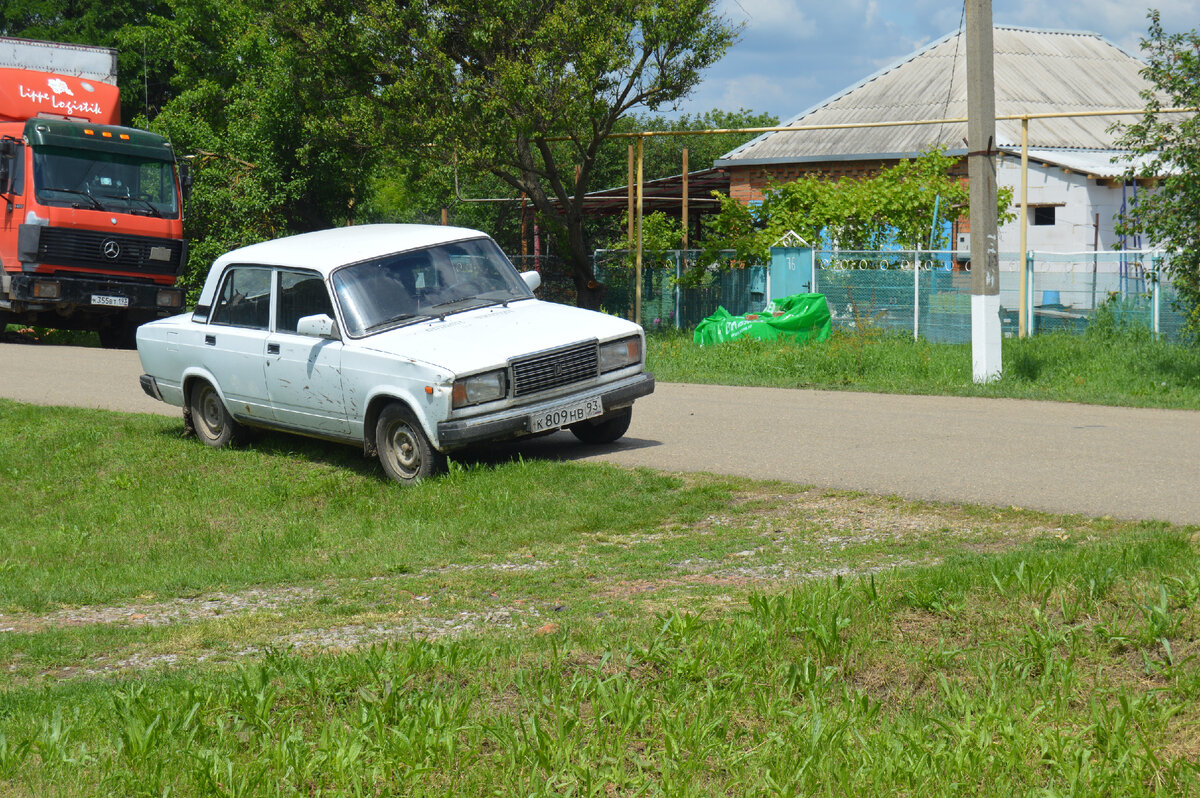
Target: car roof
{"points": [[325, 250]]}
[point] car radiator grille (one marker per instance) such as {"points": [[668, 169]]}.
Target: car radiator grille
{"points": [[555, 368], [65, 247]]}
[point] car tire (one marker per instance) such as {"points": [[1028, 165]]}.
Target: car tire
{"points": [[606, 430], [212, 422], [404, 449]]}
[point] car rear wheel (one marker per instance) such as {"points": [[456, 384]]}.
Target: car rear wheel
{"points": [[404, 450], [605, 430], [210, 419]]}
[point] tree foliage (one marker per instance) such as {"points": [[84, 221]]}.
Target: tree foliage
{"points": [[530, 92], [301, 114], [273, 104], [1170, 145], [662, 156], [893, 209]]}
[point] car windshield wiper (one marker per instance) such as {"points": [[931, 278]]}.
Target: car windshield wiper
{"points": [[131, 199], [483, 303], [95, 202], [392, 321]]}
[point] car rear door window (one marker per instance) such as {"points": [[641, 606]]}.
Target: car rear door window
{"points": [[244, 299]]}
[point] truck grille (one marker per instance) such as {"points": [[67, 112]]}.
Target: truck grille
{"points": [[555, 368], [59, 246]]}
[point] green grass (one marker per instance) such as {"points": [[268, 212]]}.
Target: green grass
{"points": [[1109, 368], [281, 620]]}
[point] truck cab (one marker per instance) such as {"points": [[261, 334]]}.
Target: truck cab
{"points": [[91, 221]]}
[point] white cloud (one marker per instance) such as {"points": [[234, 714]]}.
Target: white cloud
{"points": [[777, 16]]}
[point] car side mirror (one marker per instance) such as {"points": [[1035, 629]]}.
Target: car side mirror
{"points": [[532, 279], [318, 326]]}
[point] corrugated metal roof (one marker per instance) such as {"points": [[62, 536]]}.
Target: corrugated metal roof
{"points": [[1036, 71]]}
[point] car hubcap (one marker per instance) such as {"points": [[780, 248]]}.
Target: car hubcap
{"points": [[211, 413], [405, 453]]}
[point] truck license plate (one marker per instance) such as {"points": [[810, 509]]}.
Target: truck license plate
{"points": [[111, 301], [563, 415]]}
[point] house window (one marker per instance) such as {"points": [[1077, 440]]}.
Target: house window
{"points": [[1043, 215]]}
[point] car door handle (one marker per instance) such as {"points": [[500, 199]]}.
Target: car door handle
{"points": [[210, 340], [272, 349]]}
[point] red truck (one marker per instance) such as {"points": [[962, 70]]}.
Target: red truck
{"points": [[91, 213]]}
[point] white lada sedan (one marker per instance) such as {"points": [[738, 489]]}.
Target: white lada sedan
{"points": [[409, 340]]}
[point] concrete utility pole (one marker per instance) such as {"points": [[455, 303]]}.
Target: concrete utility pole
{"points": [[981, 169]]}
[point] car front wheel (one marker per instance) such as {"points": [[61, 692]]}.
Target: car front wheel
{"points": [[211, 420], [606, 430], [404, 450]]}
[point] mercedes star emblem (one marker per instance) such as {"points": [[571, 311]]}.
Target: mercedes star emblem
{"points": [[111, 249]]}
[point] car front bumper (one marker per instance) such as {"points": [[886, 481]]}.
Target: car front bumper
{"points": [[515, 421]]}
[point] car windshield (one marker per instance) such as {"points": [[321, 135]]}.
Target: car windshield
{"points": [[105, 181], [379, 294]]}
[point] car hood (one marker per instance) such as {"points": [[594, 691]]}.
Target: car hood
{"points": [[475, 340]]}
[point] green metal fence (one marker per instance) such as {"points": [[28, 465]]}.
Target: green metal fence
{"points": [[927, 294]]}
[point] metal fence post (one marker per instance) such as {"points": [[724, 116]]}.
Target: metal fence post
{"points": [[679, 257], [916, 293], [1156, 297], [1029, 272]]}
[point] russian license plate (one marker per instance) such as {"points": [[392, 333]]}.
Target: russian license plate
{"points": [[111, 301], [563, 415]]}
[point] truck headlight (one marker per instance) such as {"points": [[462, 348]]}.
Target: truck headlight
{"points": [[479, 388], [619, 354]]}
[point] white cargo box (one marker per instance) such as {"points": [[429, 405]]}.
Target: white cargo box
{"points": [[79, 60]]}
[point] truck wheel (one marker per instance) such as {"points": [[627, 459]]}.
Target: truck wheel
{"points": [[404, 450], [605, 430], [211, 420]]}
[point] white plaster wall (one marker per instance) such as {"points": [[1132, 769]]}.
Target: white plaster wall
{"points": [[1080, 281], [1074, 229]]}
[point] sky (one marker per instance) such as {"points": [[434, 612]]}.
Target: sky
{"points": [[793, 54]]}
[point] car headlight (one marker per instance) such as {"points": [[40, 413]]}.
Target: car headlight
{"points": [[487, 387], [619, 354]]}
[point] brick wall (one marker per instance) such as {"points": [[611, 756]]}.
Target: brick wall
{"points": [[747, 183]]}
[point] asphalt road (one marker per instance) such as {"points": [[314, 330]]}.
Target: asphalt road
{"points": [[1122, 462]]}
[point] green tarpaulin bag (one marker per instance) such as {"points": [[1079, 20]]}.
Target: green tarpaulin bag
{"points": [[799, 317]]}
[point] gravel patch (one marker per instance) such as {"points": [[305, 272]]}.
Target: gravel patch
{"points": [[179, 610], [331, 639]]}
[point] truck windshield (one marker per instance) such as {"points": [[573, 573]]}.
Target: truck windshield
{"points": [[379, 294], [105, 181]]}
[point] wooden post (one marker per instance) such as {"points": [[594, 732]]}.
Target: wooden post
{"points": [[684, 213], [524, 229], [981, 168], [637, 292], [1023, 313], [630, 190], [445, 216]]}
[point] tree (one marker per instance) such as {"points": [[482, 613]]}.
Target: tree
{"points": [[273, 103], [662, 156], [530, 92], [1170, 147]]}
